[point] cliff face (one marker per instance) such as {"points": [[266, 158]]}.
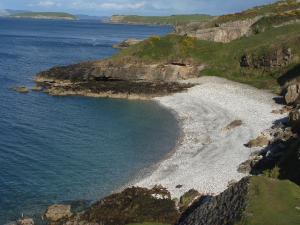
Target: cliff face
{"points": [[117, 79], [226, 208], [103, 70], [225, 32]]}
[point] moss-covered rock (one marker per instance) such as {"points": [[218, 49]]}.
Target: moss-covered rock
{"points": [[187, 199], [134, 205]]}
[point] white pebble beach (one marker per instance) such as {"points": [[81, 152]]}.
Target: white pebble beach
{"points": [[207, 157]]}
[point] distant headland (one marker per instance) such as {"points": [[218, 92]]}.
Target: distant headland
{"points": [[20, 14]]}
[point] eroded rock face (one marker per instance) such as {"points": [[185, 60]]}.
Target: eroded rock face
{"points": [[57, 212], [224, 33], [277, 58], [105, 70], [226, 208]]}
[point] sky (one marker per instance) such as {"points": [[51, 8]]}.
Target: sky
{"points": [[136, 7]]}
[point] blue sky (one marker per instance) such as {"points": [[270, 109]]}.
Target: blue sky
{"points": [[139, 7]]}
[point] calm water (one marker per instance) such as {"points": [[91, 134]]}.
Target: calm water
{"points": [[55, 149]]}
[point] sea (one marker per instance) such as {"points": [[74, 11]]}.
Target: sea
{"points": [[69, 149]]}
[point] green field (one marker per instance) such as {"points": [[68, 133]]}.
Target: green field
{"points": [[272, 202]]}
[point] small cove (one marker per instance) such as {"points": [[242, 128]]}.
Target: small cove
{"points": [[55, 149]]}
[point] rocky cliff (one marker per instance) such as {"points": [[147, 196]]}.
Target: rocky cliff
{"points": [[226, 208], [230, 27], [225, 32], [117, 79]]}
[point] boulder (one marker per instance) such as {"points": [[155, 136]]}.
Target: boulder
{"points": [[232, 125], [37, 88], [58, 212], [260, 141], [292, 93], [247, 166], [127, 43], [294, 119], [27, 221], [22, 89], [283, 110], [187, 199]]}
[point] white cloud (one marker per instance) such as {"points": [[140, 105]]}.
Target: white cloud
{"points": [[108, 5], [46, 3]]}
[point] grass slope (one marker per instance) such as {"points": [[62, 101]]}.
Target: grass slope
{"points": [[275, 8], [167, 20], [221, 59], [272, 202]]}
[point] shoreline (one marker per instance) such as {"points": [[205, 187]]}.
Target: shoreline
{"points": [[201, 162]]}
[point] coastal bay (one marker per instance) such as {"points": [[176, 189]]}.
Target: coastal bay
{"points": [[56, 149], [233, 142]]}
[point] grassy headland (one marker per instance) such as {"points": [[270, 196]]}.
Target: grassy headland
{"points": [[223, 59], [270, 9], [161, 20]]}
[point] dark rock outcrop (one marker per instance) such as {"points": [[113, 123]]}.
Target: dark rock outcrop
{"points": [[117, 79], [226, 208], [121, 70], [187, 199], [279, 57], [133, 205], [294, 119]]}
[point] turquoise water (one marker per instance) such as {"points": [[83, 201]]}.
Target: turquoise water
{"points": [[56, 149]]}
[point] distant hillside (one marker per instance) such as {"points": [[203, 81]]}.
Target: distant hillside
{"points": [[3, 13], [88, 17], [160, 20], [230, 27], [44, 15]]}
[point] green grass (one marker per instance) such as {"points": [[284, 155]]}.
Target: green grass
{"points": [[221, 59], [44, 14], [167, 20], [272, 202], [269, 22], [275, 8]]}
